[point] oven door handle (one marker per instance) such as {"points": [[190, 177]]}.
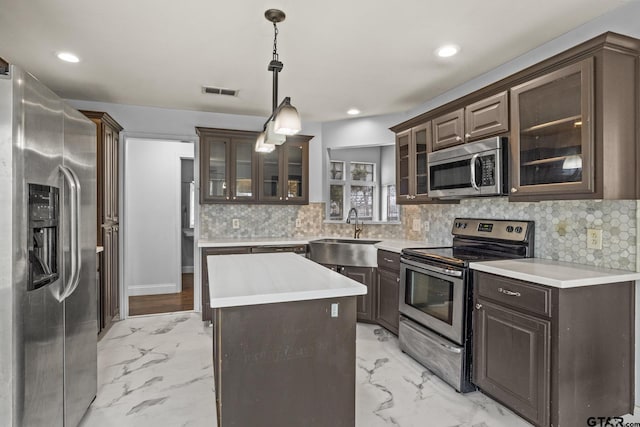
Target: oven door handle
{"points": [[472, 164], [445, 271]]}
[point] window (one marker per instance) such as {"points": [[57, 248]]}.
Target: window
{"points": [[356, 190]]}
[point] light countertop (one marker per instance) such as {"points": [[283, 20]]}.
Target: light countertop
{"points": [[392, 245], [557, 274], [255, 241], [249, 279], [398, 245]]}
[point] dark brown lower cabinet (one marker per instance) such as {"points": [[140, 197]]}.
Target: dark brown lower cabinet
{"points": [[554, 356], [387, 291], [364, 303], [512, 360]]}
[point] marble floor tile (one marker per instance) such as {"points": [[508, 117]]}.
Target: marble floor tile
{"points": [[157, 371]]}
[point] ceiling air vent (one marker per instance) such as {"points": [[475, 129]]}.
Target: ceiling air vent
{"points": [[219, 91]]}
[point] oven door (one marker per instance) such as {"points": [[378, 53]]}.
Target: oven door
{"points": [[434, 297]]}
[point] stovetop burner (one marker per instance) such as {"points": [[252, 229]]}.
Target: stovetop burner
{"points": [[480, 240]]}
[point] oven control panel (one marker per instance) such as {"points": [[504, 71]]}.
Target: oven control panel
{"points": [[513, 230]]}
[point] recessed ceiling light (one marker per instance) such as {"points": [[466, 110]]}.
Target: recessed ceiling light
{"points": [[353, 112], [68, 57], [447, 50]]}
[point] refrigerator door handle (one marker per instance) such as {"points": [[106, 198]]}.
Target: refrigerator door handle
{"points": [[74, 204]]}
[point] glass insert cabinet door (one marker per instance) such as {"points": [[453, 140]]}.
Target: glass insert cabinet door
{"points": [[215, 156], [295, 171], [553, 137], [270, 176], [244, 166]]}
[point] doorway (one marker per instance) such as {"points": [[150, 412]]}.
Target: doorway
{"points": [[159, 214]]}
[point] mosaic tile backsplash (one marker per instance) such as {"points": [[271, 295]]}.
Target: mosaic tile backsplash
{"points": [[561, 226]]}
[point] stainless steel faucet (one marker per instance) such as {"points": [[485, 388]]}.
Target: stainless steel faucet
{"points": [[356, 230]]}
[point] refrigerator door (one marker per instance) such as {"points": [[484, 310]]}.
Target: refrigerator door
{"points": [[80, 313], [39, 366]]}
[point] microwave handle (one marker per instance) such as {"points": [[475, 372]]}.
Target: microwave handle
{"points": [[472, 165]]}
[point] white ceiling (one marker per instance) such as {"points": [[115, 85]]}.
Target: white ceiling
{"points": [[370, 54]]}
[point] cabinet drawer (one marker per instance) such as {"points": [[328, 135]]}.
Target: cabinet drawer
{"points": [[389, 260], [515, 293]]}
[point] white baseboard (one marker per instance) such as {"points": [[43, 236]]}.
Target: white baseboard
{"points": [[187, 269], [154, 289]]}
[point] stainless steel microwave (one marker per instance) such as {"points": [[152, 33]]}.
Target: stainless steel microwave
{"points": [[472, 169]]}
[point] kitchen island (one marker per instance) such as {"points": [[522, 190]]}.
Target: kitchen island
{"points": [[284, 341]]}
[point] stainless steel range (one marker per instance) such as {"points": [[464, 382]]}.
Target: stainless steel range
{"points": [[436, 293]]}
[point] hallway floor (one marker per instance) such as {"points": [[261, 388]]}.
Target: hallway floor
{"points": [[157, 371], [164, 303]]}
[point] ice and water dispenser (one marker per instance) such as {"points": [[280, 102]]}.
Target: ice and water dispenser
{"points": [[44, 212]]}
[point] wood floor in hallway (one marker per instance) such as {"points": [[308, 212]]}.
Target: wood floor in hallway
{"points": [[164, 303]]}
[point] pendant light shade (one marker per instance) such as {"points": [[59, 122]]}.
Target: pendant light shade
{"points": [[272, 137], [287, 121], [261, 147]]}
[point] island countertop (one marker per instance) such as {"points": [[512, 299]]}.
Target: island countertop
{"points": [[250, 279]]}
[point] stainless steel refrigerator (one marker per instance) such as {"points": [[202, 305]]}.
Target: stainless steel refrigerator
{"points": [[48, 320]]}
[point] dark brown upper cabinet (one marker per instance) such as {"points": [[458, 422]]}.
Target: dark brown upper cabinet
{"points": [[572, 119], [412, 147], [228, 165], [448, 130], [412, 179], [552, 135], [232, 172], [489, 116], [284, 173], [574, 131]]}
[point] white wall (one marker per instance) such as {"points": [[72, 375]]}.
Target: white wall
{"points": [[152, 235]]}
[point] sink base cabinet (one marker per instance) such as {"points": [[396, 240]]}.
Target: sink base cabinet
{"points": [[555, 356], [365, 303]]}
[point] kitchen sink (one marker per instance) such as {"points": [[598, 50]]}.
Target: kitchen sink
{"points": [[346, 252]]}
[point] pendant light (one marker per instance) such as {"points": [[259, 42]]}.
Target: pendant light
{"points": [[284, 119]]}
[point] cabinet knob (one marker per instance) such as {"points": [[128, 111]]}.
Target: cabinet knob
{"points": [[234, 197], [458, 138], [227, 197], [467, 135], [514, 190], [398, 279], [280, 198], [408, 196], [413, 197], [478, 306], [286, 198]]}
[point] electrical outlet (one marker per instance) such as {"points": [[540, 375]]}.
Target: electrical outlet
{"points": [[425, 225], [594, 238], [416, 225], [235, 223], [298, 223], [334, 309]]}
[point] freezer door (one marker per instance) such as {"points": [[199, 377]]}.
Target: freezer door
{"points": [[39, 367], [81, 326]]}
